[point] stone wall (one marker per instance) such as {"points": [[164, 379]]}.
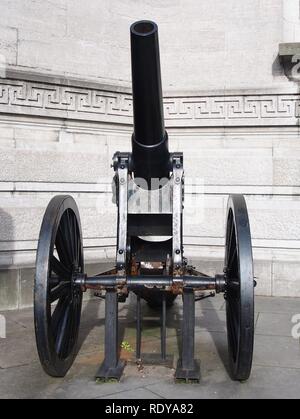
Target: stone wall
{"points": [[205, 44], [65, 108], [291, 16]]}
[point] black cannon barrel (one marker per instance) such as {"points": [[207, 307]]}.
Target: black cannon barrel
{"points": [[149, 141]]}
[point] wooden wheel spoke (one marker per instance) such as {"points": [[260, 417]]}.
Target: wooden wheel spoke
{"points": [[59, 268], [234, 289], [71, 233], [228, 244], [74, 321], [54, 281], [62, 248], [63, 333], [233, 257], [76, 241], [234, 321], [61, 290], [58, 314], [67, 227], [234, 284]]}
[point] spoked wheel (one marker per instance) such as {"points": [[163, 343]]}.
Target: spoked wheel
{"points": [[240, 289], [57, 301]]}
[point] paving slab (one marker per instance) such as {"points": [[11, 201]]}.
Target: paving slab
{"points": [[80, 383], [22, 317], [277, 351], [17, 350], [276, 368], [274, 324], [13, 328], [26, 382], [140, 393], [265, 382], [277, 305]]}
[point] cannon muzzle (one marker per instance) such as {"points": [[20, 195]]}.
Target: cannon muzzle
{"points": [[150, 154]]}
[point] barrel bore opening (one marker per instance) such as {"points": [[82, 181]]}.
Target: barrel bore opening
{"points": [[144, 28]]}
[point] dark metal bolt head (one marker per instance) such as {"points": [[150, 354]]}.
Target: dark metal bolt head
{"points": [[121, 251], [177, 251]]}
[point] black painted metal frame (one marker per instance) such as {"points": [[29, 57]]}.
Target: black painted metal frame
{"points": [[188, 368], [112, 367]]}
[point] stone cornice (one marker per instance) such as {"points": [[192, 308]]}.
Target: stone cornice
{"points": [[87, 101]]}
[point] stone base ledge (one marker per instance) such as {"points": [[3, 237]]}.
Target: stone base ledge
{"points": [[277, 272]]}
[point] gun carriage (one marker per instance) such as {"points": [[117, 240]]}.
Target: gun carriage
{"points": [[149, 254]]}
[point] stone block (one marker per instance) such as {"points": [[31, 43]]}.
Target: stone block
{"points": [[286, 279], [52, 166], [35, 137], [273, 218], [287, 166], [230, 166], [30, 17], [209, 267], [6, 135], [26, 287], [6, 226], [64, 42], [9, 289], [8, 47], [207, 220], [89, 28], [263, 277]]}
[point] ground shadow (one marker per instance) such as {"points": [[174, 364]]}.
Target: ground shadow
{"points": [[94, 317], [210, 315]]}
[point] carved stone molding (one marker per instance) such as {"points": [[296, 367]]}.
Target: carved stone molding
{"points": [[91, 104], [289, 55]]}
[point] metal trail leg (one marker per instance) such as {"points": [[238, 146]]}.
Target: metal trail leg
{"points": [[138, 327], [188, 368], [163, 333], [112, 367]]}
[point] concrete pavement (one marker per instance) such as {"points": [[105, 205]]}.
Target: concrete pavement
{"points": [[276, 368]]}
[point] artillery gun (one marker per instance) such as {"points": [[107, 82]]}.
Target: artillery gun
{"points": [[149, 253]]}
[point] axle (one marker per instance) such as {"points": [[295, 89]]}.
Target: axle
{"points": [[201, 283]]}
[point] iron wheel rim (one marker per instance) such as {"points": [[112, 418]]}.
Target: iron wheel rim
{"points": [[57, 300], [239, 289]]}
